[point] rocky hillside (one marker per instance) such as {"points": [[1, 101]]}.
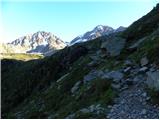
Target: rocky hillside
{"points": [[39, 42], [98, 31], [113, 76]]}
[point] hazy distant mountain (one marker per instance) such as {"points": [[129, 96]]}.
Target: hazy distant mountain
{"points": [[121, 28], [39, 42], [98, 31]]}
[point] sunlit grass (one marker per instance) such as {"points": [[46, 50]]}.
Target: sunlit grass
{"points": [[20, 56]]}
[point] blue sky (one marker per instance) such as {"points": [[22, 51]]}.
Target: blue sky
{"points": [[67, 19]]}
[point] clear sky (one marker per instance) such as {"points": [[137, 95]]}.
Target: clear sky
{"points": [[67, 18]]}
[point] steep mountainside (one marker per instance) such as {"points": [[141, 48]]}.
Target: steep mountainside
{"points": [[98, 31], [39, 42], [113, 76]]}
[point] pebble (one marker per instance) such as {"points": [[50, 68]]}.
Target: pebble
{"points": [[109, 106], [152, 69], [127, 69], [144, 94], [116, 86], [129, 82], [131, 105], [143, 112], [124, 88], [143, 69], [148, 98]]}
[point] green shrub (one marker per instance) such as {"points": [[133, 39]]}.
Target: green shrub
{"points": [[154, 95]]}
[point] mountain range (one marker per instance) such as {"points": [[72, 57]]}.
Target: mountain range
{"points": [[38, 43], [98, 31], [47, 44], [115, 76]]}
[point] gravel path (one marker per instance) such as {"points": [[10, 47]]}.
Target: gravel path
{"points": [[132, 104]]}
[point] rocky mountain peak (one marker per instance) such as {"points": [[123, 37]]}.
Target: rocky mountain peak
{"points": [[120, 28], [98, 31], [103, 28], [40, 42]]}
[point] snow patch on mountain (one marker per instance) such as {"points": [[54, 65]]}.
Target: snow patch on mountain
{"points": [[98, 31], [39, 42]]}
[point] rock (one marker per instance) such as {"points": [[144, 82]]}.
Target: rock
{"points": [[116, 86], [116, 75], [94, 58], [71, 116], [124, 87], [139, 78], [116, 63], [127, 62], [62, 78], [144, 61], [144, 94], [136, 45], [127, 69], [129, 82], [95, 109], [92, 108], [75, 87], [89, 77], [122, 102], [84, 110], [143, 69], [106, 76], [18, 115], [144, 103], [136, 79], [153, 80], [53, 116], [113, 46], [109, 106], [93, 75], [152, 69], [98, 52], [143, 112], [92, 64], [101, 53], [148, 98]]}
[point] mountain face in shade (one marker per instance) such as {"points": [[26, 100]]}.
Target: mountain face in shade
{"points": [[119, 29], [105, 78], [98, 31], [40, 42]]}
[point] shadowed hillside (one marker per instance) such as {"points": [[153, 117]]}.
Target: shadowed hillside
{"points": [[114, 76]]}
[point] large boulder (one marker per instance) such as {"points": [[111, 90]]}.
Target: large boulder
{"points": [[153, 80], [136, 44], [113, 46], [93, 75], [62, 78], [115, 75], [75, 87], [144, 61]]}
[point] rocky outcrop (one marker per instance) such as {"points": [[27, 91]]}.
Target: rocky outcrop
{"points": [[98, 31], [144, 61], [87, 80], [153, 80], [94, 109], [40, 42], [113, 46]]}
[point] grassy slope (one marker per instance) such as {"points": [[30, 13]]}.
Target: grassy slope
{"points": [[20, 56], [30, 88]]}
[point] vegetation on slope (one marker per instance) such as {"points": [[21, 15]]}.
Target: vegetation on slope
{"points": [[20, 56], [42, 88]]}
